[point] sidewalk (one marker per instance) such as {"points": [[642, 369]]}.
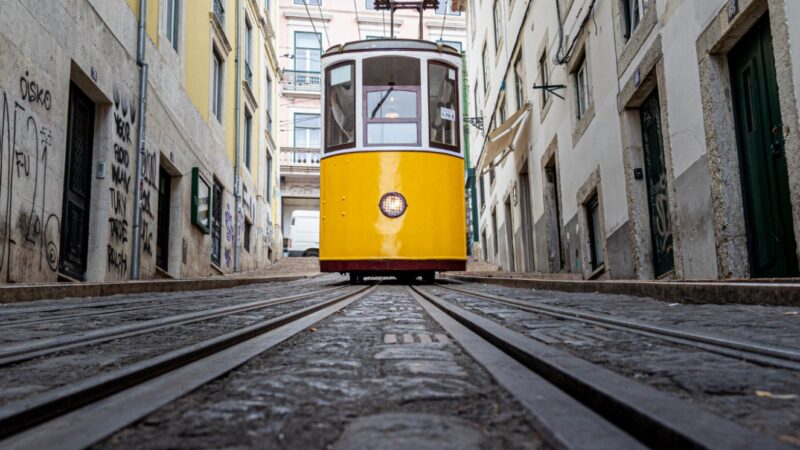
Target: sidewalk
{"points": [[752, 292], [287, 269]]}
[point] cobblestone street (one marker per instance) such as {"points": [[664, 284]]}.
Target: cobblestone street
{"points": [[372, 368]]}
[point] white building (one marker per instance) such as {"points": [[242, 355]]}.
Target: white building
{"points": [[670, 152]]}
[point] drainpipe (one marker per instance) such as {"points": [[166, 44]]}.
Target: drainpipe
{"points": [[137, 204], [236, 163]]}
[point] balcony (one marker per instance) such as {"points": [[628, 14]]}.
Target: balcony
{"points": [[219, 12], [297, 80], [300, 160]]}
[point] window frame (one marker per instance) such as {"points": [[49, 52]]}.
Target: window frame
{"points": [[331, 148], [444, 4], [457, 147], [309, 2], [519, 80], [217, 88], [544, 77], [295, 127], [581, 80], [172, 22], [484, 56], [596, 246], [497, 22], [248, 139], [318, 36], [366, 121]]}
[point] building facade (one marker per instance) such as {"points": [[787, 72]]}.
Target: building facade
{"points": [[306, 27], [70, 140], [638, 138]]}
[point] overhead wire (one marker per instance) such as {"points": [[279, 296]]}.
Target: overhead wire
{"points": [[324, 25], [358, 19], [314, 27], [444, 19]]}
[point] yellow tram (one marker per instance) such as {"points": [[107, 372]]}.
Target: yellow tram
{"points": [[392, 169]]}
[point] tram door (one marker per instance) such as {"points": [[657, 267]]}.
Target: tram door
{"points": [[77, 185], [765, 183], [657, 194]]}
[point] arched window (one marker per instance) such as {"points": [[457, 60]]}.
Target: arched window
{"points": [[340, 108], [392, 101], [443, 114]]}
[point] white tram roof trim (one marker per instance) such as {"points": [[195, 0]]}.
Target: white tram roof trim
{"points": [[391, 44]]}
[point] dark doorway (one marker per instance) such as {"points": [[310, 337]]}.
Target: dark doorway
{"points": [[657, 193], [765, 181], [216, 224], [162, 227], [526, 214], [510, 234], [552, 201], [77, 185]]}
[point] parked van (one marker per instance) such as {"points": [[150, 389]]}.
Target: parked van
{"points": [[304, 234]]}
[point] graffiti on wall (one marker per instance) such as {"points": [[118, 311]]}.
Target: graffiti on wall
{"points": [[27, 228], [120, 186]]}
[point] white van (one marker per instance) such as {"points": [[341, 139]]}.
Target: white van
{"points": [[304, 234]]}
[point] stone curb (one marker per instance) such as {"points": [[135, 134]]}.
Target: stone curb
{"points": [[25, 293], [716, 292]]}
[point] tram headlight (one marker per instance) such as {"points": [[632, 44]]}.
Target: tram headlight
{"points": [[393, 204]]}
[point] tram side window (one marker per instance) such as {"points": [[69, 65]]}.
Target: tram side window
{"points": [[340, 114], [392, 100], [443, 105]]}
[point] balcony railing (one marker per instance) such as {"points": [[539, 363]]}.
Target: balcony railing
{"points": [[219, 11], [304, 159], [248, 74], [297, 80]]}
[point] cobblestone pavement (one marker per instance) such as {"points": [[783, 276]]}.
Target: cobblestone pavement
{"points": [[381, 374], [722, 384]]}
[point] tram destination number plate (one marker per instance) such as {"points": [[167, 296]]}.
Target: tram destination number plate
{"points": [[448, 114]]}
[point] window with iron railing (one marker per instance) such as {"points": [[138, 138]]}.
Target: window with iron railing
{"points": [[298, 80]]}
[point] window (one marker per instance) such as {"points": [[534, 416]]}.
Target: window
{"points": [[482, 192], [500, 113], [494, 232], [306, 130], [485, 67], [369, 4], [340, 113], [269, 102], [248, 229], [308, 2], [444, 9], [248, 131], [544, 77], [443, 105], [491, 174], [632, 13], [497, 15], [581, 89], [596, 254], [248, 41], [268, 193], [455, 44], [307, 51], [519, 81], [372, 37], [172, 22], [216, 85], [475, 103], [391, 91]]}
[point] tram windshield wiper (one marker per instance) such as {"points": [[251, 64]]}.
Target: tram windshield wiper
{"points": [[380, 103]]}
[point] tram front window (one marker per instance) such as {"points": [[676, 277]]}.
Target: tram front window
{"points": [[340, 115], [443, 105], [391, 91]]}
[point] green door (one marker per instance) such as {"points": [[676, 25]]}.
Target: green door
{"points": [[657, 194], [765, 181]]}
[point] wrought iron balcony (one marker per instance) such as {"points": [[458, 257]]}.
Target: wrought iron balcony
{"points": [[219, 11], [248, 74], [297, 159], [297, 80]]}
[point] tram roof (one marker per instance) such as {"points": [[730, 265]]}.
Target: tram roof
{"points": [[391, 44]]}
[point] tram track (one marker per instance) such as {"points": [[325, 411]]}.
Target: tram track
{"points": [[757, 353], [24, 351], [154, 304], [131, 392], [580, 404]]}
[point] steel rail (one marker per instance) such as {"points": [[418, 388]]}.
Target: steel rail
{"points": [[653, 417], [782, 357], [15, 353], [127, 394]]}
